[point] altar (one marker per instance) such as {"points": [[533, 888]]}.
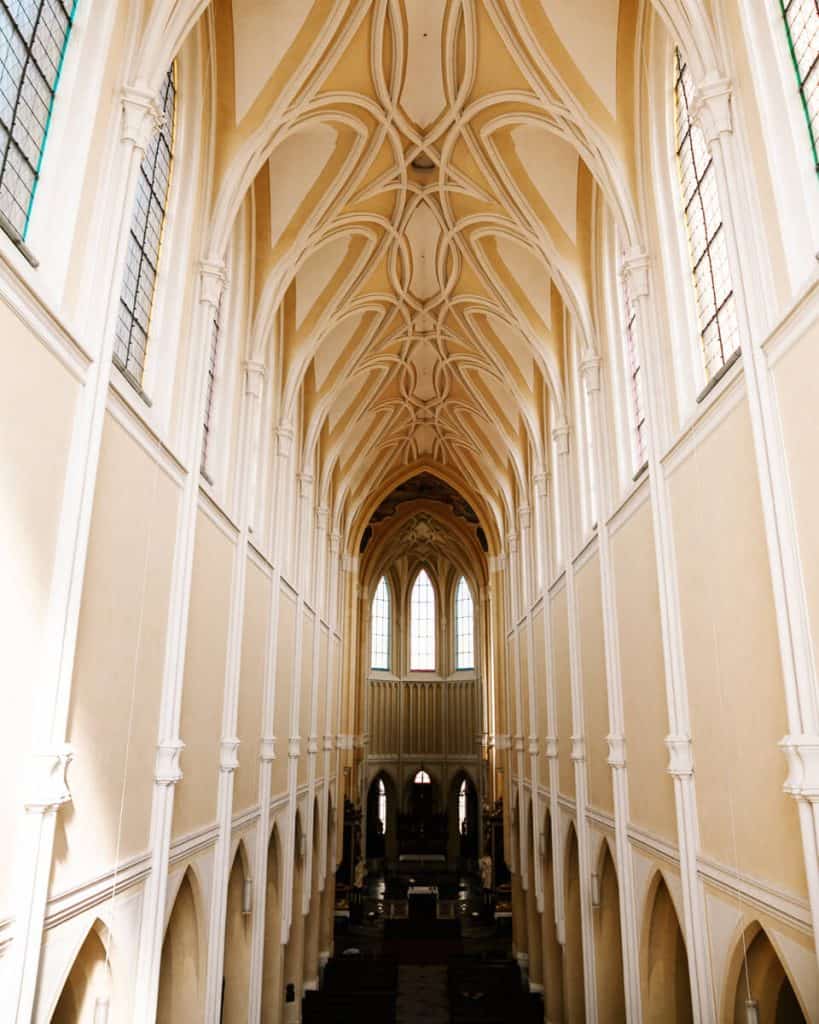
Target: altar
{"points": [[422, 902]]}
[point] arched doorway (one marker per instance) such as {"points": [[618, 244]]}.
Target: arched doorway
{"points": [[328, 895], [382, 819], [237, 946], [294, 950], [758, 974], [88, 983], [573, 960], [462, 817], [312, 925], [179, 975], [552, 950], [667, 995], [534, 927], [611, 995], [272, 968]]}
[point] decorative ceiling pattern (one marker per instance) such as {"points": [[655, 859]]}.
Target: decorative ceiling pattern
{"points": [[423, 179]]}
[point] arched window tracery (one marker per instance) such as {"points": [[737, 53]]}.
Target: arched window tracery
{"points": [[705, 230], [422, 624], [145, 241], [380, 627], [33, 40], [464, 626]]}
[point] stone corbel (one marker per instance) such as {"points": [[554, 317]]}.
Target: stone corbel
{"points": [[167, 771], [294, 746], [212, 281], [525, 517], [335, 542], [560, 436], [496, 563], [229, 754], [635, 272], [267, 749], [48, 783], [305, 484], [711, 107], [578, 751], [254, 378], [680, 756], [512, 543], [284, 439], [590, 370], [541, 482], [617, 750], [142, 118], [802, 755], [322, 517]]}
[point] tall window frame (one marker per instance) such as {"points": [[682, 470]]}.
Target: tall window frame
{"points": [[422, 624], [464, 627], [801, 20], [633, 368], [213, 358], [381, 805], [146, 233], [33, 43], [381, 627], [705, 229]]}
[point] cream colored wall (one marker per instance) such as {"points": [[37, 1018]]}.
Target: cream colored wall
{"points": [[595, 703], [563, 689], [254, 658], [38, 400], [284, 672], [732, 661], [117, 682], [202, 698], [651, 790]]}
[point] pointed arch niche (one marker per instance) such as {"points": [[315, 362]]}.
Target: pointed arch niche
{"points": [[758, 974], [88, 982], [666, 983], [180, 974]]}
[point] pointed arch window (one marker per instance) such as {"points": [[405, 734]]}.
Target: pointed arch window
{"points": [[464, 626], [145, 241], [802, 29], [214, 353], [463, 809], [422, 778], [422, 624], [707, 247], [380, 627], [634, 378], [33, 40], [381, 809]]}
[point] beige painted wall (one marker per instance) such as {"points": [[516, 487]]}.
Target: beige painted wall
{"points": [[563, 687], [651, 791], [732, 658], [251, 689], [117, 685], [284, 672], [202, 698]]}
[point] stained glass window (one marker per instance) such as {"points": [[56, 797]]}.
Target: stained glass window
{"points": [[380, 627], [464, 626], [422, 629], [145, 241], [214, 352], [802, 27], [708, 251], [33, 39]]}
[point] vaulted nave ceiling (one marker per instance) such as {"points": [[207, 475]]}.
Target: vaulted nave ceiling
{"points": [[422, 176]]}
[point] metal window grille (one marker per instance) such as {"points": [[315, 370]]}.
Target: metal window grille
{"points": [[802, 28], [713, 289], [464, 627], [214, 352], [33, 40], [145, 242], [635, 379], [422, 616], [380, 626]]}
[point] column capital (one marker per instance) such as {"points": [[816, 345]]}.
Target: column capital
{"points": [[560, 436], [590, 370], [541, 481], [496, 564], [550, 747], [254, 377], [512, 542], [525, 517], [534, 745], [335, 541], [167, 771], [294, 746], [305, 484], [634, 269], [322, 517], [329, 742], [711, 107], [519, 744], [48, 779], [267, 749], [617, 750], [312, 745], [578, 751], [212, 281], [284, 438], [142, 117], [802, 755], [229, 754], [680, 756]]}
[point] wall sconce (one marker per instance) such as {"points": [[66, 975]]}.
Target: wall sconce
{"points": [[752, 1011], [101, 1008], [247, 896], [595, 889]]}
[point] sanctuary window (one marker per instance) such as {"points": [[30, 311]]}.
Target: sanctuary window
{"points": [[33, 40], [381, 810], [802, 28], [214, 352], [145, 241], [463, 813], [422, 778], [464, 626], [422, 624], [380, 627], [707, 247]]}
